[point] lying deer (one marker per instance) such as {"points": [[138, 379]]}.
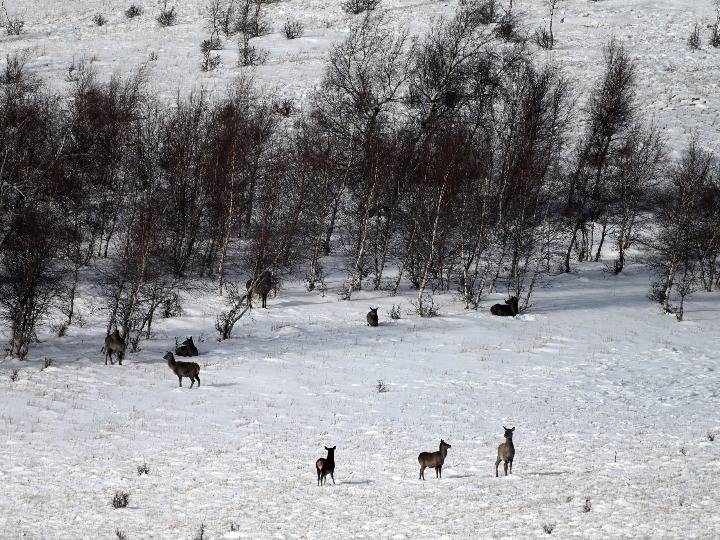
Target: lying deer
{"points": [[509, 310], [183, 369], [433, 459], [326, 466], [262, 286], [372, 317], [114, 344], [186, 348], [506, 452]]}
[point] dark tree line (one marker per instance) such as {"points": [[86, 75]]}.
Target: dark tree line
{"points": [[453, 162]]}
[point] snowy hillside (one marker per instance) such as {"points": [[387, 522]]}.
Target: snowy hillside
{"points": [[614, 403], [611, 401], [679, 89]]}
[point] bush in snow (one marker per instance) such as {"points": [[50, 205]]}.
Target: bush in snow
{"points": [[99, 19], [293, 29], [587, 506], [543, 39], [212, 44], [201, 533], [167, 17], [715, 36], [381, 387], [548, 528], [13, 25], [120, 499], [120, 535], [694, 38], [711, 436], [133, 11], [143, 469], [356, 7], [15, 375]]}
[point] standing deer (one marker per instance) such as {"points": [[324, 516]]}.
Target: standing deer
{"points": [[509, 310], [434, 460], [372, 317], [506, 452], [186, 348], [114, 344], [326, 466], [262, 287], [183, 369]]}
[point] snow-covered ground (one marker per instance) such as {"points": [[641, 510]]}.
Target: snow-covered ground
{"points": [[611, 401], [679, 89]]}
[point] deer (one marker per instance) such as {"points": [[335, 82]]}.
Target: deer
{"points": [[186, 348], [183, 369], [506, 452], [372, 317], [114, 344], [509, 310], [326, 466], [261, 285], [433, 459]]}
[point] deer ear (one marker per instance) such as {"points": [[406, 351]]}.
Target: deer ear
{"points": [[334, 447], [326, 448], [513, 429]]}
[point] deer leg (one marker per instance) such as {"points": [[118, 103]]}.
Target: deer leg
{"points": [[422, 473], [505, 464], [192, 381], [511, 466], [197, 378], [332, 475], [264, 304], [497, 463], [180, 380], [318, 471]]}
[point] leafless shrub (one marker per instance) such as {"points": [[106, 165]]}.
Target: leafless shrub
{"points": [[395, 312], [293, 29], [214, 43], [120, 499], [548, 528], [250, 55], [237, 306], [507, 26], [201, 533], [355, 7], [14, 26], [715, 35], [167, 16], [543, 39], [171, 306], [47, 362], [284, 107], [711, 436], [99, 19], [587, 506], [694, 38], [381, 387], [120, 535], [133, 11], [425, 306], [143, 469], [209, 61], [14, 375]]}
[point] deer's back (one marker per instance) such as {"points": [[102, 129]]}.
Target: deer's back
{"points": [[430, 459], [186, 369]]}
